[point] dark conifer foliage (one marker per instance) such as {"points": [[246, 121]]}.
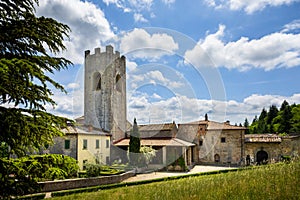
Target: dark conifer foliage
{"points": [[134, 144], [283, 121], [28, 49]]}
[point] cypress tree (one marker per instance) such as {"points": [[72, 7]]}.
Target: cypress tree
{"points": [[246, 125], [134, 144]]}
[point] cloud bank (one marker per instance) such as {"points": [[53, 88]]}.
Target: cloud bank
{"points": [[248, 6], [269, 52]]}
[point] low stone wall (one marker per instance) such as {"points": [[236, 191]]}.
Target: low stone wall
{"points": [[49, 186]]}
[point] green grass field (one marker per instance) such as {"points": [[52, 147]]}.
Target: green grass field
{"points": [[277, 181]]}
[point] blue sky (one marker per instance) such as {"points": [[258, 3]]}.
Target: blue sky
{"points": [[186, 58]]}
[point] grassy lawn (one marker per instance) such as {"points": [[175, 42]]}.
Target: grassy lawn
{"points": [[278, 181]]}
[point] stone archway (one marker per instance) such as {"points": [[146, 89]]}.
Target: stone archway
{"points": [[217, 158], [261, 157]]}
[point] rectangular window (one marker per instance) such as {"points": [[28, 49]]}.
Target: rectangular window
{"points": [[85, 143], [97, 144], [107, 143], [67, 144], [200, 142], [107, 160], [223, 140]]}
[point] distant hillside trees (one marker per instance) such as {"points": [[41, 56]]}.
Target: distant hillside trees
{"points": [[285, 120]]}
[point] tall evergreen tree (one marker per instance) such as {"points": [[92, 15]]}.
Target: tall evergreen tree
{"points": [[206, 117], [284, 105], [273, 111], [254, 120], [262, 126], [134, 144], [25, 65], [285, 120], [246, 125], [272, 114]]}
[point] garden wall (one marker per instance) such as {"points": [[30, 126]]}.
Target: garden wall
{"points": [[49, 186]]}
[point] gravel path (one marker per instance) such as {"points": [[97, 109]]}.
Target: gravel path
{"points": [[154, 175]]}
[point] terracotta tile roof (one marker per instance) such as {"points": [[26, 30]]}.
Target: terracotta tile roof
{"points": [[84, 130], [167, 130], [212, 125], [158, 142], [157, 127]]}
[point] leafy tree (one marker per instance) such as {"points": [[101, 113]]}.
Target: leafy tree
{"points": [[295, 119], [25, 65], [134, 145], [4, 150], [148, 153]]}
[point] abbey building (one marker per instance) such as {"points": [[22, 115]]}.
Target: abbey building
{"points": [[102, 134]]}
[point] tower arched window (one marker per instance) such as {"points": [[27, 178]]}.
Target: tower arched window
{"points": [[118, 83], [97, 81]]}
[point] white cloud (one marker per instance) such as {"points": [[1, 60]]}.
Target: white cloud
{"points": [[73, 86], [87, 22], [269, 52], [174, 83], [248, 6], [139, 8], [131, 66], [141, 44], [168, 2], [156, 96], [183, 109], [139, 18], [68, 105], [140, 5], [293, 26]]}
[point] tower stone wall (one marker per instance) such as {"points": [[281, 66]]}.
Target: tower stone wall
{"points": [[105, 91]]}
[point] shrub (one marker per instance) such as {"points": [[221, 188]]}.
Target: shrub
{"points": [[20, 176], [93, 170], [55, 173]]}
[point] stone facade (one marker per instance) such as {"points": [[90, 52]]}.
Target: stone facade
{"points": [[215, 142], [105, 91], [271, 147], [162, 138]]}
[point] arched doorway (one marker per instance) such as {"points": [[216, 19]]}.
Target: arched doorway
{"points": [[261, 157], [217, 158]]}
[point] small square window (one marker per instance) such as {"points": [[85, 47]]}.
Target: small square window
{"points": [[67, 144], [97, 144], [85, 143], [223, 140]]}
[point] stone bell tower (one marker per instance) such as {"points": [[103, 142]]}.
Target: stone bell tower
{"points": [[105, 91]]}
